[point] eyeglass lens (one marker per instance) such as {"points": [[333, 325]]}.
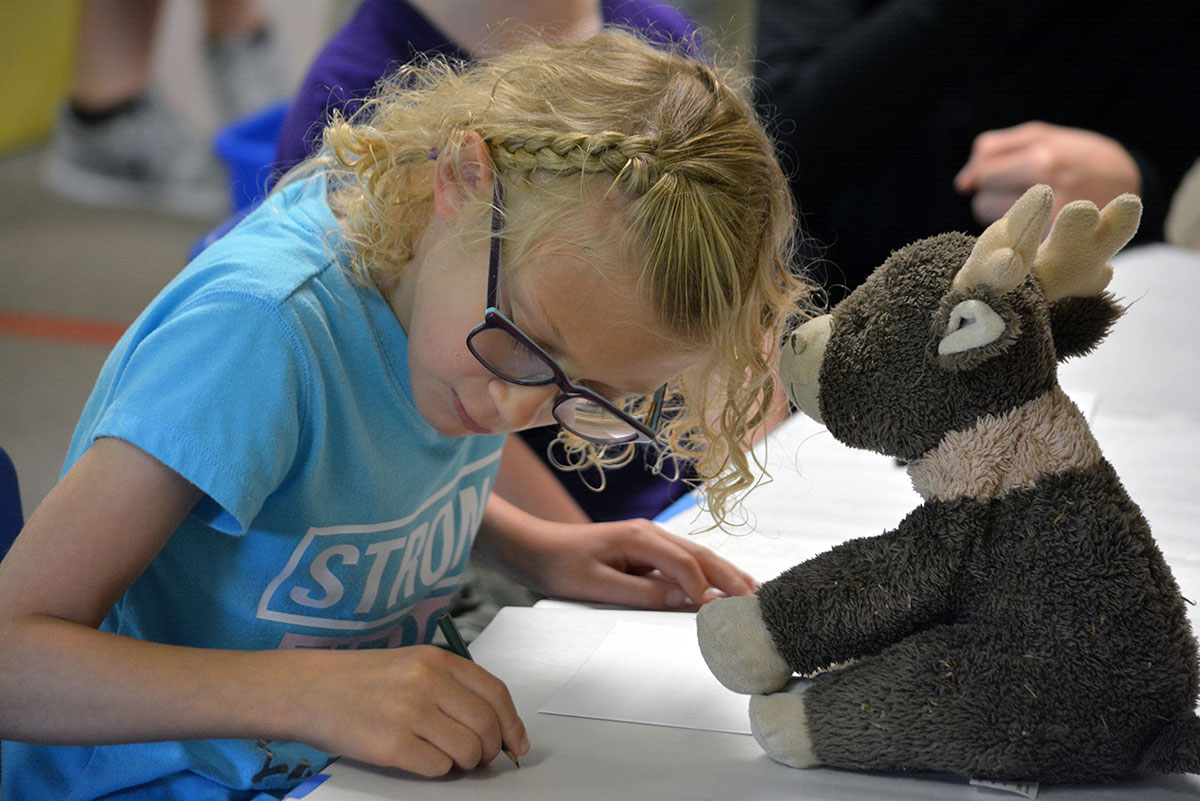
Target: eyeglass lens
{"points": [[592, 421], [509, 358], [514, 361]]}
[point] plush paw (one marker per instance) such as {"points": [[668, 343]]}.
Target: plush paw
{"points": [[779, 725], [738, 648]]}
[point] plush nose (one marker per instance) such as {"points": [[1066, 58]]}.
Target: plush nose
{"points": [[800, 364], [522, 407]]}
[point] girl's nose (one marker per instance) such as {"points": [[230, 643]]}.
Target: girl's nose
{"points": [[522, 407]]}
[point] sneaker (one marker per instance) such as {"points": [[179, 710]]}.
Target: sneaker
{"points": [[144, 157], [246, 73]]}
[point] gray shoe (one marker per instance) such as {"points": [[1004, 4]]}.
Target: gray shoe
{"points": [[142, 158], [246, 72]]}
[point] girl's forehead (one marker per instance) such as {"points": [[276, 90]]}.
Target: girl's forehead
{"points": [[592, 317]]}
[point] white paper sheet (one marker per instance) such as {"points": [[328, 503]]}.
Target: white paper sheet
{"points": [[642, 673]]}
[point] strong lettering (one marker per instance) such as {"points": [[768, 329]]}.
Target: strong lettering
{"points": [[357, 578], [324, 576]]}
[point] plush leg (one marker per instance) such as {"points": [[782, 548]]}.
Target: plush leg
{"points": [[963, 699]]}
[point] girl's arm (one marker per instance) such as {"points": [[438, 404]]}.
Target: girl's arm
{"points": [[62, 681], [630, 562], [527, 482]]}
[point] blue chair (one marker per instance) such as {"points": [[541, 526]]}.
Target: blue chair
{"points": [[247, 147], [11, 517]]}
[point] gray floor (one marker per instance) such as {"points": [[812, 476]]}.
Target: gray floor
{"points": [[67, 261]]}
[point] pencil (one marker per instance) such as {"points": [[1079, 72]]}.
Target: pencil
{"points": [[459, 646]]}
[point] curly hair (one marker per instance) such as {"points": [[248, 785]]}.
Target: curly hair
{"points": [[705, 206]]}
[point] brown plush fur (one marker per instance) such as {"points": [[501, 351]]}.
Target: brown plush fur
{"points": [[1021, 623]]}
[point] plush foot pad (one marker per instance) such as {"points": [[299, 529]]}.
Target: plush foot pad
{"points": [[738, 648], [780, 726]]}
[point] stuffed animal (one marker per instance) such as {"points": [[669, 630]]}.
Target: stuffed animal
{"points": [[1021, 623]]}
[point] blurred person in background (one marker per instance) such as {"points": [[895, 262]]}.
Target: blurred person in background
{"points": [[901, 119], [117, 142]]}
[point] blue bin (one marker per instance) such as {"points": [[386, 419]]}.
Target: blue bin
{"points": [[247, 146]]}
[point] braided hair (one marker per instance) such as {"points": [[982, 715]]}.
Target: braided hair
{"points": [[666, 139]]}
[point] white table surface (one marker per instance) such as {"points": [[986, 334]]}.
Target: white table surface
{"points": [[1140, 391]]}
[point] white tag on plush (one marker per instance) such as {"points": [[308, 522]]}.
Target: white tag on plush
{"points": [[1026, 789]]}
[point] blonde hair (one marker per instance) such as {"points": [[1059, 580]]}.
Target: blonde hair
{"points": [[705, 205]]}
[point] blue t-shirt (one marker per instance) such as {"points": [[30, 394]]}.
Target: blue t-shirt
{"points": [[334, 516]]}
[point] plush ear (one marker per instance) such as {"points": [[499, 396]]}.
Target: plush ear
{"points": [[1079, 324], [969, 330], [972, 324]]}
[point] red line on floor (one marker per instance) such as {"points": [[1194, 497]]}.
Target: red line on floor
{"points": [[61, 329]]}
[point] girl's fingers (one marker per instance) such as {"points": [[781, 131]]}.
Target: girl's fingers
{"points": [[697, 568], [673, 561], [423, 758], [647, 591], [497, 718], [461, 743], [721, 573]]}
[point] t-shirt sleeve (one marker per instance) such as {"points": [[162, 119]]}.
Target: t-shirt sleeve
{"points": [[215, 392]]}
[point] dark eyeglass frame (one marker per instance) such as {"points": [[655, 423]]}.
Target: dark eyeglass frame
{"points": [[494, 318]]}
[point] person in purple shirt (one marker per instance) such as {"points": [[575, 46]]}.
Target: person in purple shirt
{"points": [[381, 35]]}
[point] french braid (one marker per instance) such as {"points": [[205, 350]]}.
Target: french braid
{"points": [[631, 159], [669, 140]]}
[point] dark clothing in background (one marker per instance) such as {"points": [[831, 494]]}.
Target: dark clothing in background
{"points": [[877, 103]]}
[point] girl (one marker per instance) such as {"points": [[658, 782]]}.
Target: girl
{"points": [[383, 33], [286, 458]]}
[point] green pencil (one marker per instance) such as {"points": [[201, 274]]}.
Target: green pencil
{"points": [[459, 646]]}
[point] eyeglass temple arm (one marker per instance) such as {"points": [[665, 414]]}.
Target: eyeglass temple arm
{"points": [[494, 252], [656, 408]]}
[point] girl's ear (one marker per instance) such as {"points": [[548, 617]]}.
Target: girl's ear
{"points": [[461, 174]]}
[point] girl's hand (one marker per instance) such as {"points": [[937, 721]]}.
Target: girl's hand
{"points": [[629, 562], [420, 708], [637, 563]]}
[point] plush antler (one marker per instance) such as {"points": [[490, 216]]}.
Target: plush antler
{"points": [[1073, 261], [1004, 253]]}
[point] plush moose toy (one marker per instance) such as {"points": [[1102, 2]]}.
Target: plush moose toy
{"points": [[1021, 623]]}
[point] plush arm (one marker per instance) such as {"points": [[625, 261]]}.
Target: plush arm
{"points": [[867, 593], [850, 601]]}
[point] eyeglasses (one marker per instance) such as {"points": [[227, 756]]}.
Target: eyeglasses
{"points": [[510, 354]]}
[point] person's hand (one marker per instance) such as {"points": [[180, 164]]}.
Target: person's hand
{"points": [[419, 708], [1077, 164], [629, 562]]}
